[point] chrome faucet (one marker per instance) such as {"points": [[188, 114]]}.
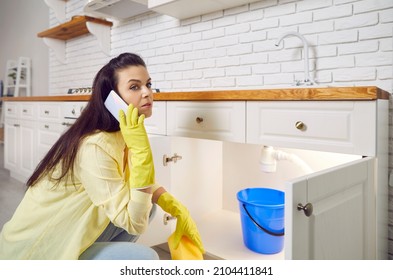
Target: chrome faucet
{"points": [[307, 79]]}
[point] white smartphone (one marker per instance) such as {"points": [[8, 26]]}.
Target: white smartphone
{"points": [[114, 103]]}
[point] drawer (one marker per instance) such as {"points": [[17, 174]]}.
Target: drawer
{"points": [[343, 126], [22, 110], [27, 110], [156, 124], [72, 110], [50, 111], [11, 109], [54, 127], [209, 120]]}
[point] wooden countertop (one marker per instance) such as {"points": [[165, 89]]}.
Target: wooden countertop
{"points": [[321, 94]]}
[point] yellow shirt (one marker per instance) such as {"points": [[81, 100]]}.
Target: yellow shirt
{"points": [[61, 222]]}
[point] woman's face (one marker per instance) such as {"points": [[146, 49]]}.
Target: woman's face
{"points": [[134, 86]]}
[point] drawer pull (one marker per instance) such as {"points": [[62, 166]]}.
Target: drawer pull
{"points": [[66, 124], [46, 126], [17, 125], [300, 125], [199, 120], [24, 111], [46, 112]]}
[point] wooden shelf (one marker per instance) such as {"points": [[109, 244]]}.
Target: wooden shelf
{"points": [[77, 26], [55, 37]]}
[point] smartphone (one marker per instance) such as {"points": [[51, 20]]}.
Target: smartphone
{"points": [[114, 103]]}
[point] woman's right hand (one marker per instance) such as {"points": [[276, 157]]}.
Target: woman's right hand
{"points": [[134, 134]]}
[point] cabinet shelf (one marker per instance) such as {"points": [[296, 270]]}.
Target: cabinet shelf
{"points": [[55, 37]]}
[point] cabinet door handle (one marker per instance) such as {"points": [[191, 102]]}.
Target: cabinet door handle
{"points": [[174, 159], [46, 112], [46, 126], [300, 125], [17, 125], [199, 120], [24, 111], [308, 208], [166, 218]]}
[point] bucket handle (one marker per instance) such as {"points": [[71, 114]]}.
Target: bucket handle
{"points": [[260, 227]]}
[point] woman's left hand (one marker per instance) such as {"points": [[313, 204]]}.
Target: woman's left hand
{"points": [[185, 224]]}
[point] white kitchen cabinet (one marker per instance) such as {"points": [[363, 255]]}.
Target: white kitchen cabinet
{"points": [[159, 229], [47, 135], [365, 134], [53, 119], [19, 142], [182, 9], [49, 127], [345, 143], [31, 129]]}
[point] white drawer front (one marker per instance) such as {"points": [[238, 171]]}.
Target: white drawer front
{"points": [[27, 110], [343, 127], [72, 110], [50, 111], [53, 126], [156, 124], [210, 120], [11, 109]]}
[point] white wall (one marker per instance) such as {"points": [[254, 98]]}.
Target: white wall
{"points": [[20, 21], [351, 45]]}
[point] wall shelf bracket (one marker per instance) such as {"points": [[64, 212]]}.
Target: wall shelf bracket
{"points": [[58, 7], [103, 35], [58, 47]]}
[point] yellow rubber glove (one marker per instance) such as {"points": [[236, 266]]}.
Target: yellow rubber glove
{"points": [[185, 225], [134, 134], [186, 249]]}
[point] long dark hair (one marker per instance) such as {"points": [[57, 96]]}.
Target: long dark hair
{"points": [[94, 117]]}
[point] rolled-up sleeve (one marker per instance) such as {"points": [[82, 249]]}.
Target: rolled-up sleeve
{"points": [[100, 173]]}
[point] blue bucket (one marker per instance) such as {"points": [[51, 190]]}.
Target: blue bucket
{"points": [[262, 219]]}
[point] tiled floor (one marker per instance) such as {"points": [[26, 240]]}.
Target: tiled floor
{"points": [[11, 193]]}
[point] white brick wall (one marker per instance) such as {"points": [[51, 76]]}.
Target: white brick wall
{"points": [[350, 44]]}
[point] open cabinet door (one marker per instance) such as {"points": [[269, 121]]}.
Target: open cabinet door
{"points": [[157, 232], [342, 222]]}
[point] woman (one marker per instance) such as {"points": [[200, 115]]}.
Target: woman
{"points": [[96, 184]]}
